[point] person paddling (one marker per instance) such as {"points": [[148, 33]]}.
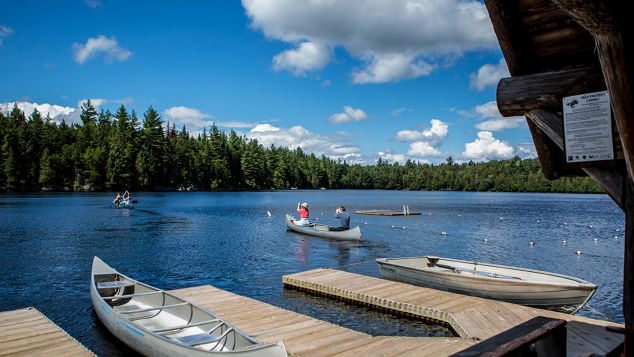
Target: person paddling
{"points": [[304, 213], [344, 219], [117, 199]]}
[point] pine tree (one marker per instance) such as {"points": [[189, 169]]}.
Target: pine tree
{"points": [[151, 150]]}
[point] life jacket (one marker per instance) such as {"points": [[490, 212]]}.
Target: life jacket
{"points": [[303, 213]]}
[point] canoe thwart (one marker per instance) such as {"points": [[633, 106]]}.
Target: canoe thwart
{"points": [[113, 284], [201, 338], [132, 295], [153, 308], [184, 326]]}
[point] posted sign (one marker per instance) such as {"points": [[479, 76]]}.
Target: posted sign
{"points": [[588, 127]]}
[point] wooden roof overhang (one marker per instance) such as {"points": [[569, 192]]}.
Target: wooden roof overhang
{"points": [[559, 48]]}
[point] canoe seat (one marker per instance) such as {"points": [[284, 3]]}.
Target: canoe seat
{"points": [[114, 284], [201, 338]]}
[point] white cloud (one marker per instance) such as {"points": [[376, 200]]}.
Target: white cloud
{"points": [[500, 124], [264, 128], [433, 136], [526, 150], [308, 56], [395, 39], [101, 45], [348, 114], [486, 147], [56, 112], [423, 149], [326, 83], [5, 31], [297, 136], [392, 68], [193, 119], [96, 102], [389, 156], [489, 75], [494, 120]]}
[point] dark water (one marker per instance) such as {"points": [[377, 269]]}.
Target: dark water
{"points": [[177, 240]]}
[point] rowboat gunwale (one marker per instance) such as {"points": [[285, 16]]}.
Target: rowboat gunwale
{"points": [[352, 234], [110, 311]]}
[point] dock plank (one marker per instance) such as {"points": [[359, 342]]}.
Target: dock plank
{"points": [[27, 332]]}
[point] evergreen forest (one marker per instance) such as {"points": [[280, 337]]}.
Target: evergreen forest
{"points": [[121, 151]]}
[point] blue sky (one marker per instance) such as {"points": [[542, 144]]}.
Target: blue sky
{"points": [[351, 79]]}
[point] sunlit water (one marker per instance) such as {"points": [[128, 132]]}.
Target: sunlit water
{"points": [[177, 240]]}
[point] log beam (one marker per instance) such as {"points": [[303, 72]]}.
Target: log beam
{"points": [[517, 95], [551, 124], [507, 30]]}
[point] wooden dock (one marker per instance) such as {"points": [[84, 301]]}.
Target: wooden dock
{"points": [[306, 336], [470, 317], [27, 332]]}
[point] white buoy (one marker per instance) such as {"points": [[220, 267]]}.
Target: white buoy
{"points": [[269, 213], [596, 239], [486, 240], [590, 226], [393, 226], [538, 221], [532, 243], [403, 227], [565, 223], [616, 237], [366, 223], [578, 252], [564, 242], [429, 214], [443, 233], [501, 218], [458, 215]]}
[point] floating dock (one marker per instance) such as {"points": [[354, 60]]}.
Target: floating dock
{"points": [[386, 212], [27, 332], [470, 317], [306, 336]]}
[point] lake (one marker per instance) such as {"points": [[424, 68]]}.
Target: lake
{"points": [[227, 239]]}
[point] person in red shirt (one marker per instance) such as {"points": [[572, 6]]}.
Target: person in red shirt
{"points": [[304, 213]]}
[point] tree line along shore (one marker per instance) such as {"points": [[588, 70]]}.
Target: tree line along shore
{"points": [[120, 151]]}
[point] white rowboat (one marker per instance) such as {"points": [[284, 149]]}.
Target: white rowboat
{"points": [[499, 282], [322, 230], [156, 323]]}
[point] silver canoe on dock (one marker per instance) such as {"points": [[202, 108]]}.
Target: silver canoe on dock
{"points": [[156, 323], [322, 230], [498, 282]]}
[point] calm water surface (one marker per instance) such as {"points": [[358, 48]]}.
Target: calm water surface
{"points": [[177, 240]]}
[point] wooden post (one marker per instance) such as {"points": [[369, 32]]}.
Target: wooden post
{"points": [[628, 266], [610, 24]]}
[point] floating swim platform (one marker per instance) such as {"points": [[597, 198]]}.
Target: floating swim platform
{"points": [[385, 212]]}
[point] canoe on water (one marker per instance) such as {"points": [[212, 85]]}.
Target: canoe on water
{"points": [[156, 323], [125, 204], [499, 282], [322, 230]]}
